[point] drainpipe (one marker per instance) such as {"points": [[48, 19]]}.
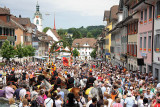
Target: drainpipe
{"points": [[152, 30]]}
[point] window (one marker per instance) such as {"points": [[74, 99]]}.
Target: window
{"points": [[140, 43], [157, 42], [8, 18], [15, 38], [145, 14], [150, 12], [149, 42], [0, 31], [157, 9], [107, 42], [141, 15], [86, 53], [37, 21], [135, 50], [144, 43]]}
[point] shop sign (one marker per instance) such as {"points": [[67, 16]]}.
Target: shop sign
{"points": [[3, 37]]}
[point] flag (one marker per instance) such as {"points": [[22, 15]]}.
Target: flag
{"points": [[58, 49], [65, 61]]}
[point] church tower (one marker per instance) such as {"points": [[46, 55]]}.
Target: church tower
{"points": [[38, 18]]}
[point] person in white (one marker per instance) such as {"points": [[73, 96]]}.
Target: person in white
{"points": [[22, 92], [89, 100], [48, 102], [59, 101]]}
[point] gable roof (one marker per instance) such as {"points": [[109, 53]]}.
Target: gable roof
{"points": [[113, 12], [90, 41], [106, 15], [7, 24], [55, 33], [24, 21]]}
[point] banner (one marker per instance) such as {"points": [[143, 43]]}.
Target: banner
{"points": [[65, 62], [58, 49]]}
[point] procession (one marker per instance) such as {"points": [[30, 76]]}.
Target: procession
{"points": [[80, 85], [79, 53]]}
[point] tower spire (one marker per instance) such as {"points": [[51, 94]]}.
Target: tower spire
{"points": [[37, 7], [54, 23]]}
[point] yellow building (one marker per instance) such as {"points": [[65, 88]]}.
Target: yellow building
{"points": [[108, 40]]}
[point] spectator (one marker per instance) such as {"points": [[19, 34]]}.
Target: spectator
{"points": [[106, 103], [59, 101], [34, 92], [118, 104], [60, 93], [100, 102], [129, 102], [39, 99], [23, 91], [12, 103], [2, 92], [16, 93], [48, 102], [94, 102], [140, 101], [9, 91]]}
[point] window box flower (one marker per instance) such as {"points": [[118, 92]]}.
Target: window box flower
{"points": [[141, 22], [144, 49], [145, 21], [140, 48], [149, 50], [157, 50], [150, 19], [158, 16]]}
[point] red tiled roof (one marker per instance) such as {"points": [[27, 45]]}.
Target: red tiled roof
{"points": [[106, 15], [90, 41], [4, 11], [114, 10], [55, 33], [7, 24]]}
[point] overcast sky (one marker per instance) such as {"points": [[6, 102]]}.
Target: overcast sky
{"points": [[69, 13]]}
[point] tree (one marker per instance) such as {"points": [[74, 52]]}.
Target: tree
{"points": [[75, 52], [46, 29], [19, 51], [89, 35], [25, 51], [7, 50], [93, 54], [31, 50]]}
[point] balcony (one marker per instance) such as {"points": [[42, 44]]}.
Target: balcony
{"points": [[140, 4]]}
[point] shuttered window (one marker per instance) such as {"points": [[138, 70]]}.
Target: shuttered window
{"points": [[140, 43], [145, 38]]}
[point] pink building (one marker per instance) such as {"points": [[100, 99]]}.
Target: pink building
{"points": [[144, 37]]}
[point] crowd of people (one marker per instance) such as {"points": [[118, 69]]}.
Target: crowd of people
{"points": [[34, 84]]}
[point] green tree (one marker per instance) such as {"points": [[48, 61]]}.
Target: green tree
{"points": [[93, 54], [75, 52], [7, 50], [19, 51], [31, 50], [89, 35], [46, 29], [62, 32], [25, 51]]}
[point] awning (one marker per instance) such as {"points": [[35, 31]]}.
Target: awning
{"points": [[38, 57], [108, 54]]}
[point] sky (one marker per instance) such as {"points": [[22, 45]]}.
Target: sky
{"points": [[68, 13]]}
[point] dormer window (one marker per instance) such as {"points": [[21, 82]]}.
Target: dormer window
{"points": [[8, 18], [86, 43], [77, 44]]}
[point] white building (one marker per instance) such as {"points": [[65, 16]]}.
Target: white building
{"points": [[38, 19], [85, 46]]}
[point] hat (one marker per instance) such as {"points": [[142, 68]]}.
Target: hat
{"points": [[129, 94]]}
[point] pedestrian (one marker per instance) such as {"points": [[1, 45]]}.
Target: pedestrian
{"points": [[94, 102], [59, 101], [9, 91], [48, 102]]}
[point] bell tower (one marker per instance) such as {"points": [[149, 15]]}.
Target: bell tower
{"points": [[38, 18]]}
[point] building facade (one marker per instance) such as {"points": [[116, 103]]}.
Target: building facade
{"points": [[85, 46], [156, 50], [7, 28]]}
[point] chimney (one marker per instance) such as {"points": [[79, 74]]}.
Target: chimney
{"points": [[19, 16]]}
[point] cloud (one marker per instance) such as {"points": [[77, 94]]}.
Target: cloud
{"points": [[83, 7], [69, 13]]}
